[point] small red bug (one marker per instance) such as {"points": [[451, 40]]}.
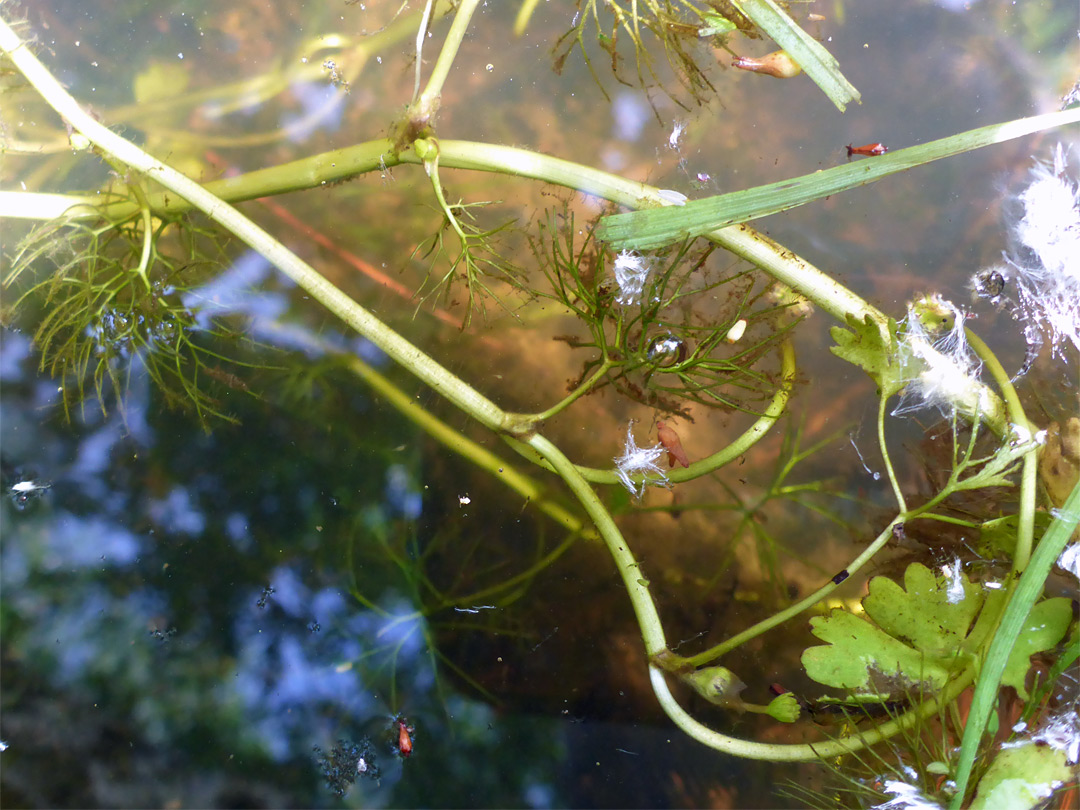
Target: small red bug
{"points": [[670, 439], [870, 149], [404, 741]]}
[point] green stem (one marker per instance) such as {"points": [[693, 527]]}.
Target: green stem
{"points": [[148, 233], [738, 447], [897, 492], [397, 347], [428, 103], [714, 653], [578, 392], [1028, 589], [777, 752], [1025, 530], [465, 447]]}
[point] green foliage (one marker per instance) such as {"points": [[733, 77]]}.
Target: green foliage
{"points": [[108, 299], [862, 344], [917, 636], [654, 228], [1021, 778], [679, 34], [810, 54], [694, 334], [671, 347], [1045, 627]]}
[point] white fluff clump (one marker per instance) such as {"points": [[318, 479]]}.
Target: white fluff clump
{"points": [[1062, 734], [907, 797], [1070, 559], [639, 461], [631, 273], [942, 369], [677, 130], [1043, 263]]}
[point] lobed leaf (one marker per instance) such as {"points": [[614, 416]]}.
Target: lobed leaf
{"points": [[865, 346]]}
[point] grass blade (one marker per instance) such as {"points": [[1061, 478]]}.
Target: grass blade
{"points": [[656, 227], [811, 55]]}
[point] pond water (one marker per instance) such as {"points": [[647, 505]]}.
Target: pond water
{"points": [[250, 603]]}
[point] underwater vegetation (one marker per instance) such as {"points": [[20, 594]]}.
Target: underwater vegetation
{"points": [[935, 664]]}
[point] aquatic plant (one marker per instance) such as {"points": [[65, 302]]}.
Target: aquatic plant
{"points": [[121, 266]]}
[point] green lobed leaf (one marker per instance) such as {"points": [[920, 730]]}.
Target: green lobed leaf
{"points": [[914, 642], [866, 659], [865, 346], [928, 613], [1045, 627]]}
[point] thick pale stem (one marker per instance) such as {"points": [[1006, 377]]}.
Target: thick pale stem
{"points": [[401, 350]]}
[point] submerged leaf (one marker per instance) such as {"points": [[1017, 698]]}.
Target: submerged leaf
{"points": [[865, 347], [160, 80], [819, 64], [914, 643], [865, 659], [924, 613], [1022, 777], [653, 228], [916, 636], [1045, 627]]}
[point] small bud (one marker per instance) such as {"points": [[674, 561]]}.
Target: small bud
{"points": [[784, 708], [778, 64], [717, 685], [426, 149]]}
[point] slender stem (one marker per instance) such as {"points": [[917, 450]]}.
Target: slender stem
{"points": [[479, 455], [897, 492], [1025, 530], [739, 446], [578, 392], [429, 99], [148, 233], [421, 35], [509, 582], [777, 752], [710, 463], [713, 653]]}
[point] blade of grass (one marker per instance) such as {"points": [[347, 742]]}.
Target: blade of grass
{"points": [[656, 227], [1027, 592], [816, 62]]}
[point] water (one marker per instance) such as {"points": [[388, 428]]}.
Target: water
{"points": [[189, 613]]}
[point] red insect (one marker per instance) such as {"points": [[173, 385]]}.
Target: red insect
{"points": [[404, 740], [670, 439], [869, 149]]}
